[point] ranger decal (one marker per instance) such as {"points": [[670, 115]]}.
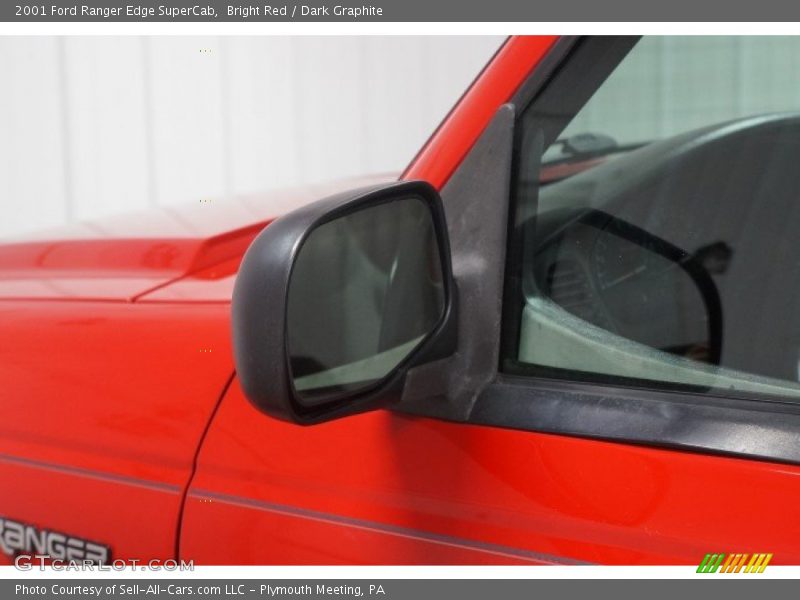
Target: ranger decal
{"points": [[18, 538]]}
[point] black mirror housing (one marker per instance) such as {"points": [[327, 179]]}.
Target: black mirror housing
{"points": [[298, 275]]}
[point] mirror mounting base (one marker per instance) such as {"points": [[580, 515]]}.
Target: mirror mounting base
{"points": [[476, 200]]}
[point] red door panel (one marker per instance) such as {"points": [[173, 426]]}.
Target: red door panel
{"points": [[386, 488], [266, 533]]}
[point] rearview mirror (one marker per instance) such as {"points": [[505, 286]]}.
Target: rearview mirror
{"points": [[336, 301]]}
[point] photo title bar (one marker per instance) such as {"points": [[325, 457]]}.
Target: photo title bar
{"points": [[401, 11]]}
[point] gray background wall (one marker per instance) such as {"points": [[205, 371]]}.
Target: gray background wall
{"points": [[91, 126]]}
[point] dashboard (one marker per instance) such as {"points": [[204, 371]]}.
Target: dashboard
{"points": [[618, 277]]}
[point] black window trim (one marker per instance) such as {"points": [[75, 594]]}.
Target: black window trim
{"points": [[753, 429], [633, 412]]}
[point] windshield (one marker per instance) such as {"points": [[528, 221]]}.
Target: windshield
{"points": [[670, 85]]}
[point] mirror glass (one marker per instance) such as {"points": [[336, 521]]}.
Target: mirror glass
{"points": [[365, 290]]}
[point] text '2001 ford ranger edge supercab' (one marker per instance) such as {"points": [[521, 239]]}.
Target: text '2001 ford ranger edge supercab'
{"points": [[567, 334]]}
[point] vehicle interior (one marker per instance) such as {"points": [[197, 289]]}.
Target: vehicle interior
{"points": [[659, 262]]}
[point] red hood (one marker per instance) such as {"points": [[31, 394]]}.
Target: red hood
{"points": [[185, 253]]}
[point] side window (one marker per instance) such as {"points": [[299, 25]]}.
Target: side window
{"points": [[657, 217]]}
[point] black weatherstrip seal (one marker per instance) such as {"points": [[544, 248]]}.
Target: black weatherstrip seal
{"points": [[753, 429], [543, 71]]}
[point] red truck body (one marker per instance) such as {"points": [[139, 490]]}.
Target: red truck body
{"points": [[122, 422]]}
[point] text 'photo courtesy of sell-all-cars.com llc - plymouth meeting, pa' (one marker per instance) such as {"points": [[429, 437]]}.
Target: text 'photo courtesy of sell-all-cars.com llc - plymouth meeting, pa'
{"points": [[567, 333]]}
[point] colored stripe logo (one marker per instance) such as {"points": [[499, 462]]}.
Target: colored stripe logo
{"points": [[734, 563]]}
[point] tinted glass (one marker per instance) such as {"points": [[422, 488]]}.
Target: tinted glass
{"points": [[364, 292], [658, 235]]}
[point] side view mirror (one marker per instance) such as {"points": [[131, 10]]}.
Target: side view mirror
{"points": [[336, 301]]}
